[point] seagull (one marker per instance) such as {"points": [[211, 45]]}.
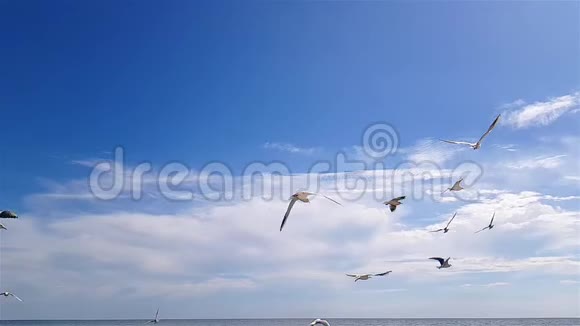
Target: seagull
{"points": [[446, 228], [456, 186], [6, 294], [303, 197], [319, 321], [444, 262], [365, 277], [8, 214], [490, 226], [156, 320], [393, 203], [478, 144], [2, 227]]}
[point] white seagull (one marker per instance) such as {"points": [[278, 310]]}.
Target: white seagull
{"points": [[156, 320], [490, 226], [393, 203], [6, 294], [456, 186], [8, 214], [364, 277], [446, 228], [303, 197], [319, 321], [444, 262], [2, 227], [478, 144]]}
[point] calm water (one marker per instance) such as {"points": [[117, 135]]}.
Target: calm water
{"points": [[304, 322]]}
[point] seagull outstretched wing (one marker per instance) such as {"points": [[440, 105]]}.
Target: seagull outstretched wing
{"points": [[489, 129], [332, 200], [457, 142], [451, 220], [439, 259], [492, 217], [383, 274], [438, 230], [485, 228], [290, 205], [16, 297]]}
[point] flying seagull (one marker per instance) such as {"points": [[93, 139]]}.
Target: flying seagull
{"points": [[478, 144], [365, 277], [490, 226], [303, 197], [319, 321], [156, 320], [6, 294], [2, 227], [8, 214], [444, 262], [456, 186], [393, 203], [446, 228]]}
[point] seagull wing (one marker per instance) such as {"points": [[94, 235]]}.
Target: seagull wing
{"points": [[332, 200], [438, 230], [352, 275], [451, 220], [399, 198], [2, 227], [292, 202], [383, 274], [439, 259], [157, 314], [492, 217], [457, 142], [485, 228], [392, 207], [15, 296], [489, 129]]}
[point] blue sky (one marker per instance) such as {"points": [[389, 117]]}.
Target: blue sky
{"points": [[293, 82]]}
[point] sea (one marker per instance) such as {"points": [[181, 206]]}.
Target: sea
{"points": [[304, 322]]}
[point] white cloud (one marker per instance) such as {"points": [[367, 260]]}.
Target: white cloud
{"points": [[431, 150], [543, 162], [290, 148], [569, 282], [487, 285], [542, 113]]}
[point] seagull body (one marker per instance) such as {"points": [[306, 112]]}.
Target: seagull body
{"points": [[478, 144], [2, 227], [443, 262], [456, 186], [446, 228], [490, 226], [393, 203], [303, 197], [319, 321], [7, 294], [156, 320], [364, 277], [8, 214]]}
